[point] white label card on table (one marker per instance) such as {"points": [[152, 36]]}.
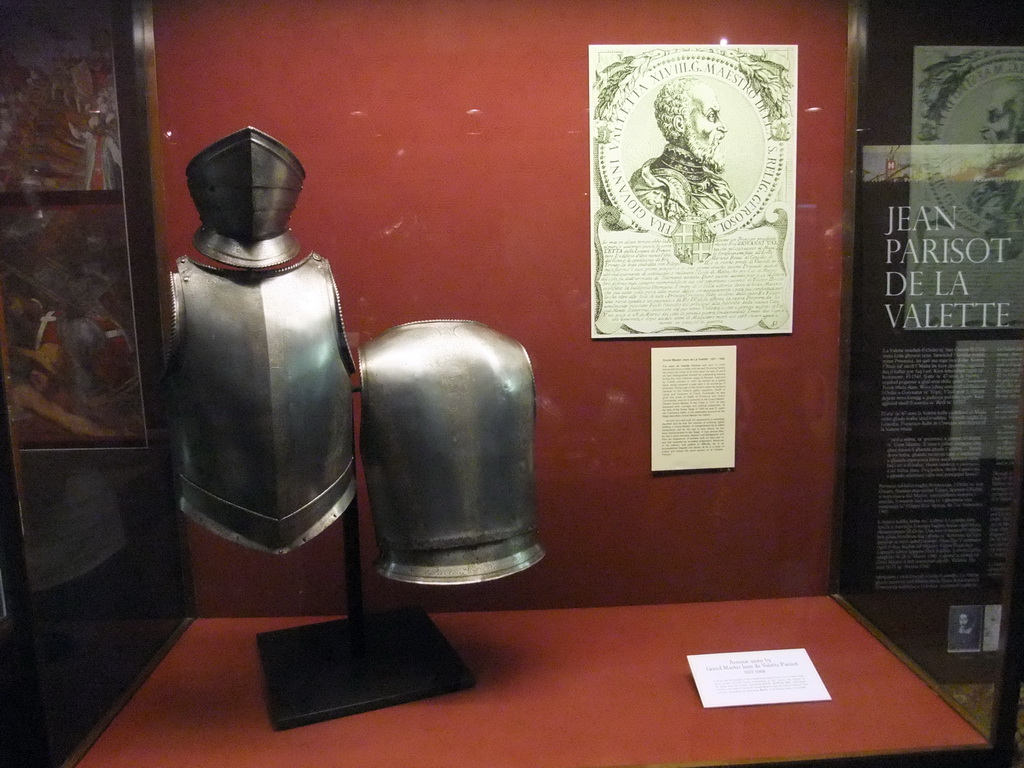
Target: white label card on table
{"points": [[756, 677]]}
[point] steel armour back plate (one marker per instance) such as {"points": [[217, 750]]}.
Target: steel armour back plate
{"points": [[447, 444]]}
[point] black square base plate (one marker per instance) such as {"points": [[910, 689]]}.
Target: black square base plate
{"points": [[312, 674]]}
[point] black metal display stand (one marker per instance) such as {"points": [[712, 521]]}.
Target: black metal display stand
{"points": [[360, 663]]}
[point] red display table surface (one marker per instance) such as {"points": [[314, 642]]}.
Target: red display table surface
{"points": [[560, 688]]}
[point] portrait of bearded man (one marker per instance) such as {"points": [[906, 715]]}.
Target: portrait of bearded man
{"points": [[685, 182]]}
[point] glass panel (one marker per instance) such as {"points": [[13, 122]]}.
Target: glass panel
{"points": [[101, 538], [106, 589], [935, 396]]}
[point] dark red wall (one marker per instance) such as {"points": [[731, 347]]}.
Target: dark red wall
{"points": [[446, 150]]}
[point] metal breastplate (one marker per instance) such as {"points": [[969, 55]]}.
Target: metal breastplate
{"points": [[260, 400], [447, 446]]}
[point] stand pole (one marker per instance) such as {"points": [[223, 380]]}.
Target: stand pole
{"points": [[318, 672], [354, 581]]}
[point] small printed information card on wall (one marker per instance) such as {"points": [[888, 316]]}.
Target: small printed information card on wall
{"points": [[756, 677], [693, 408]]}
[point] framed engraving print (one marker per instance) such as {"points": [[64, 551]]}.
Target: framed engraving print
{"points": [[692, 189]]}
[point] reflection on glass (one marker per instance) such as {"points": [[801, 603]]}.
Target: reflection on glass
{"points": [[73, 534], [106, 589], [101, 544]]}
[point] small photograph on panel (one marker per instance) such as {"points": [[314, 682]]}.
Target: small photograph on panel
{"points": [[965, 628]]}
